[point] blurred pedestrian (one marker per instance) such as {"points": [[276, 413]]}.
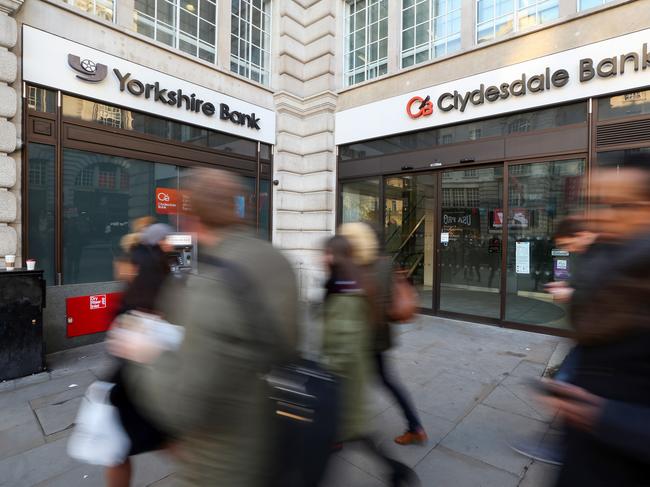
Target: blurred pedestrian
{"points": [[148, 268], [607, 407], [350, 314], [380, 270], [209, 395]]}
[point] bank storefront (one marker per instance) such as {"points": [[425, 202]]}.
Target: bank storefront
{"points": [[108, 141], [468, 180]]}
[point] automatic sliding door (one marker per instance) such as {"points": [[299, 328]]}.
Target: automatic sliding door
{"points": [[470, 241], [409, 218]]}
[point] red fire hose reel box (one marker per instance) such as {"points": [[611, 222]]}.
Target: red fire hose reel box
{"points": [[91, 314]]}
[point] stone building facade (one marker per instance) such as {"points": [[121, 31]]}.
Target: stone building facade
{"points": [[310, 79]]}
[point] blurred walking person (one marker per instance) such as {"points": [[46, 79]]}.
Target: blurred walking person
{"points": [[209, 395], [380, 270], [148, 269], [350, 313], [607, 405]]}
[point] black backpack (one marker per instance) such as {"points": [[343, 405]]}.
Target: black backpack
{"points": [[303, 397]]}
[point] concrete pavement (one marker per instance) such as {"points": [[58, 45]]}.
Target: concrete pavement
{"points": [[468, 382]]}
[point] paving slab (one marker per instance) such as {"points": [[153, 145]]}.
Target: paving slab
{"points": [[485, 433], [450, 396], [342, 473], [515, 395], [21, 437], [58, 417], [540, 475], [447, 468], [19, 395], [36, 465]]}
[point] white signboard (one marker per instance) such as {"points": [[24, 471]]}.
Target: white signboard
{"points": [[522, 258], [444, 237], [610, 66], [58, 63]]}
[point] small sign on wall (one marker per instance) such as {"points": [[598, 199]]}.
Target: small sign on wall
{"points": [[86, 315]]}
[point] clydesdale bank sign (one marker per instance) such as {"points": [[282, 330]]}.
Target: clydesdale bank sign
{"points": [[612, 66], [588, 69]]}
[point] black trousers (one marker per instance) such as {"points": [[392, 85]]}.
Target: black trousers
{"points": [[398, 392]]}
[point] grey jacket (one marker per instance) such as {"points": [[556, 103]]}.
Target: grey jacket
{"points": [[209, 394]]}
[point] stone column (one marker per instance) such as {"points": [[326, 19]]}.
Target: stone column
{"points": [[9, 142], [305, 160]]}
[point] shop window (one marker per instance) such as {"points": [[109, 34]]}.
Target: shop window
{"points": [[90, 111], [627, 105], [97, 216], [497, 18], [366, 40], [189, 26], [104, 9], [250, 39], [360, 201], [625, 158], [587, 4], [540, 196], [41, 99], [430, 29], [40, 194], [470, 173], [497, 127]]}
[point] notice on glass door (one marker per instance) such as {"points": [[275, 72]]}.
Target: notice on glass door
{"points": [[522, 258]]}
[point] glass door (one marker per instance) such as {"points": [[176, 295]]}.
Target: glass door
{"points": [[470, 240], [540, 195], [409, 219]]}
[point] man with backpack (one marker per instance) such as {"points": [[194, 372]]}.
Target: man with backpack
{"points": [[210, 395]]}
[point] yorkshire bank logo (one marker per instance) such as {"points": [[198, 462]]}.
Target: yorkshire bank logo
{"points": [[88, 70], [418, 107]]}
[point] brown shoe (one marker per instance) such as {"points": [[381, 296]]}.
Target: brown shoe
{"points": [[417, 437]]}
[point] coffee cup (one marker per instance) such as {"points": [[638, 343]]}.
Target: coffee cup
{"points": [[31, 264], [10, 262]]}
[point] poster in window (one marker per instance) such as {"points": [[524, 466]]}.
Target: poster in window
{"points": [[522, 258]]}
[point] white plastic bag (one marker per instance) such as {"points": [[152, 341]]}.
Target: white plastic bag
{"points": [[98, 437]]}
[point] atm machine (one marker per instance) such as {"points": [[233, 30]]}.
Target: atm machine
{"points": [[183, 253]]}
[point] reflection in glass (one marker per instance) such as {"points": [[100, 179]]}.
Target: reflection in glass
{"points": [[41, 99], [470, 241], [101, 195], [264, 230], [627, 105], [408, 229], [360, 201], [121, 118], [625, 158], [496, 127], [540, 195], [40, 239]]}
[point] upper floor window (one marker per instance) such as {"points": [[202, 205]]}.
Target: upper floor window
{"points": [[188, 25], [587, 4], [366, 40], [496, 18], [430, 29], [250, 39], [104, 9]]}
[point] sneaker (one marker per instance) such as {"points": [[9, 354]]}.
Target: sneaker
{"points": [[545, 451], [417, 437]]}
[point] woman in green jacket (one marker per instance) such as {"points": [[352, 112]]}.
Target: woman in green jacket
{"points": [[348, 342]]}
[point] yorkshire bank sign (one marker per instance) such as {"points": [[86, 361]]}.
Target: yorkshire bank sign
{"points": [[610, 66], [60, 63]]}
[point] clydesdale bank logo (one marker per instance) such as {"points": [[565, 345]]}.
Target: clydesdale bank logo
{"points": [[92, 72]]}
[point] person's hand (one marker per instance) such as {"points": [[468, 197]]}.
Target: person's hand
{"points": [[560, 291], [578, 407], [132, 345]]}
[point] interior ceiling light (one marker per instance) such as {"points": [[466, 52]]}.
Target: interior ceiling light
{"points": [[190, 7]]}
